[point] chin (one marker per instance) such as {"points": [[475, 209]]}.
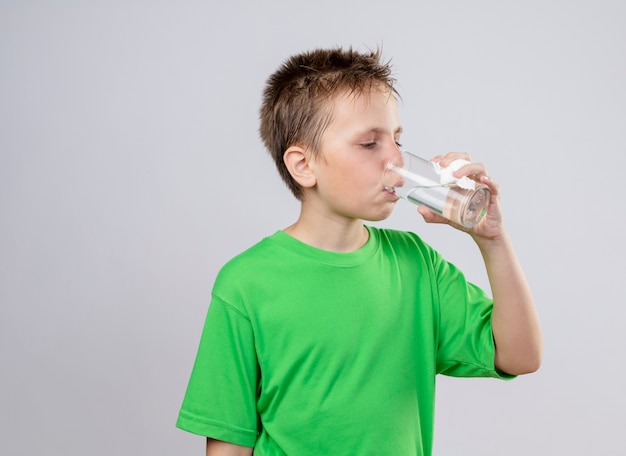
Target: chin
{"points": [[378, 217]]}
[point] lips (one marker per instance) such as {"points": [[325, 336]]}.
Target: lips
{"points": [[391, 192]]}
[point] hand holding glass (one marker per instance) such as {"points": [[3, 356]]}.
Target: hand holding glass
{"points": [[418, 181]]}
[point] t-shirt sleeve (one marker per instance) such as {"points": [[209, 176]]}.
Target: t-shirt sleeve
{"points": [[465, 345], [220, 401]]}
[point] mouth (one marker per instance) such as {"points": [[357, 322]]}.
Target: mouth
{"points": [[390, 191]]}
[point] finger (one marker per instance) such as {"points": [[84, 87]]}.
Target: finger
{"points": [[490, 182], [430, 216], [445, 160], [476, 170]]}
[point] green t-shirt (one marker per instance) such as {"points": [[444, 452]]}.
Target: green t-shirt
{"points": [[309, 352]]}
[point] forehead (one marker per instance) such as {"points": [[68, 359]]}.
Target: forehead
{"points": [[376, 106], [369, 98]]}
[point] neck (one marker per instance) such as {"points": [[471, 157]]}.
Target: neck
{"points": [[335, 235]]}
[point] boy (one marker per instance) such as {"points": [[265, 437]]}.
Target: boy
{"points": [[325, 338]]}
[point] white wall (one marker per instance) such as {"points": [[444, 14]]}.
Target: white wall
{"points": [[131, 170]]}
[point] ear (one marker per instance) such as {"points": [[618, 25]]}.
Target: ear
{"points": [[297, 162]]}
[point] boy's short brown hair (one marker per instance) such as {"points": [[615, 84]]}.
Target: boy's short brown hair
{"points": [[296, 106]]}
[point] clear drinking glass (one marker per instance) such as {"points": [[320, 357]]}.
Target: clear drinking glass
{"points": [[419, 181]]}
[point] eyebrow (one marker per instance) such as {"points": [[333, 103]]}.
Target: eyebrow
{"points": [[381, 130]]}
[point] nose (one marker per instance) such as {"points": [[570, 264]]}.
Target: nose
{"points": [[394, 162], [395, 156]]}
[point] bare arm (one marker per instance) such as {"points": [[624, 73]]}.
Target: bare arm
{"points": [[220, 448], [515, 324], [514, 321]]}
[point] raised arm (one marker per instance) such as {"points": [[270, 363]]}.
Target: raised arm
{"points": [[515, 324], [220, 448]]}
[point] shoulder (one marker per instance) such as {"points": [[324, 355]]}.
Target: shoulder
{"points": [[245, 274], [409, 250], [399, 240], [255, 258]]}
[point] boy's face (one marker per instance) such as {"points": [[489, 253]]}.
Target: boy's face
{"points": [[362, 137]]}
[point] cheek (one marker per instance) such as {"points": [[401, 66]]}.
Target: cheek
{"points": [[362, 173], [363, 184], [370, 172]]}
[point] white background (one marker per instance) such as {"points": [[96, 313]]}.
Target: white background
{"points": [[131, 170]]}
